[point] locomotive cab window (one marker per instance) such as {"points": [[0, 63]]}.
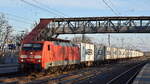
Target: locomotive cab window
{"points": [[32, 46]]}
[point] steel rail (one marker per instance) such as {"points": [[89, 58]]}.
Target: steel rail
{"points": [[120, 75], [132, 77]]}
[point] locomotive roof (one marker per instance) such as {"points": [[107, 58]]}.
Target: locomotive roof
{"points": [[59, 40]]}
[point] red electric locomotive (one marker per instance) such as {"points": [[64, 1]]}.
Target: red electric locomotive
{"points": [[43, 55]]}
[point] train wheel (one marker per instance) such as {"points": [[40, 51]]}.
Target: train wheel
{"points": [[82, 65], [55, 69], [64, 68], [69, 67], [50, 70], [24, 68], [77, 66]]}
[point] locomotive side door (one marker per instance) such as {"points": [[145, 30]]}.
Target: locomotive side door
{"points": [[47, 55]]}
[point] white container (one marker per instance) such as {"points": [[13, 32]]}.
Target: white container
{"points": [[118, 53], [108, 53], [130, 54], [111, 53], [87, 52], [115, 53]]}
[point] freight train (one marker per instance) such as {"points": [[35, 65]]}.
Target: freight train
{"points": [[61, 54]]}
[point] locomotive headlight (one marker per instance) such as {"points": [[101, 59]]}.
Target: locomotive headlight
{"points": [[38, 56], [23, 56], [39, 60], [22, 60]]}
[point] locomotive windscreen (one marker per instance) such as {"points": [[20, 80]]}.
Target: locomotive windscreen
{"points": [[32, 46]]}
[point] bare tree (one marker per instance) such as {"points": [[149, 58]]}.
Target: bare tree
{"points": [[3, 23], [5, 31], [7, 34], [80, 39], [20, 36]]}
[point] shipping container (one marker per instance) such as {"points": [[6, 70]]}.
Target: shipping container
{"points": [[108, 53], [119, 53], [87, 52], [111, 53], [115, 53]]}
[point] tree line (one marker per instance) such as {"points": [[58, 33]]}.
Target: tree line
{"points": [[8, 34]]}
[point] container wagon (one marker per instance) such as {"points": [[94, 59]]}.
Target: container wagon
{"points": [[86, 53]]}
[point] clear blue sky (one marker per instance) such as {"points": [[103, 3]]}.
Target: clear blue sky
{"points": [[75, 8]]}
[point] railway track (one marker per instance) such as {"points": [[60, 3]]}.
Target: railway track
{"points": [[70, 77], [74, 77], [127, 76], [64, 78]]}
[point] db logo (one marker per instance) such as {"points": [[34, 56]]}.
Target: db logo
{"points": [[89, 51]]}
